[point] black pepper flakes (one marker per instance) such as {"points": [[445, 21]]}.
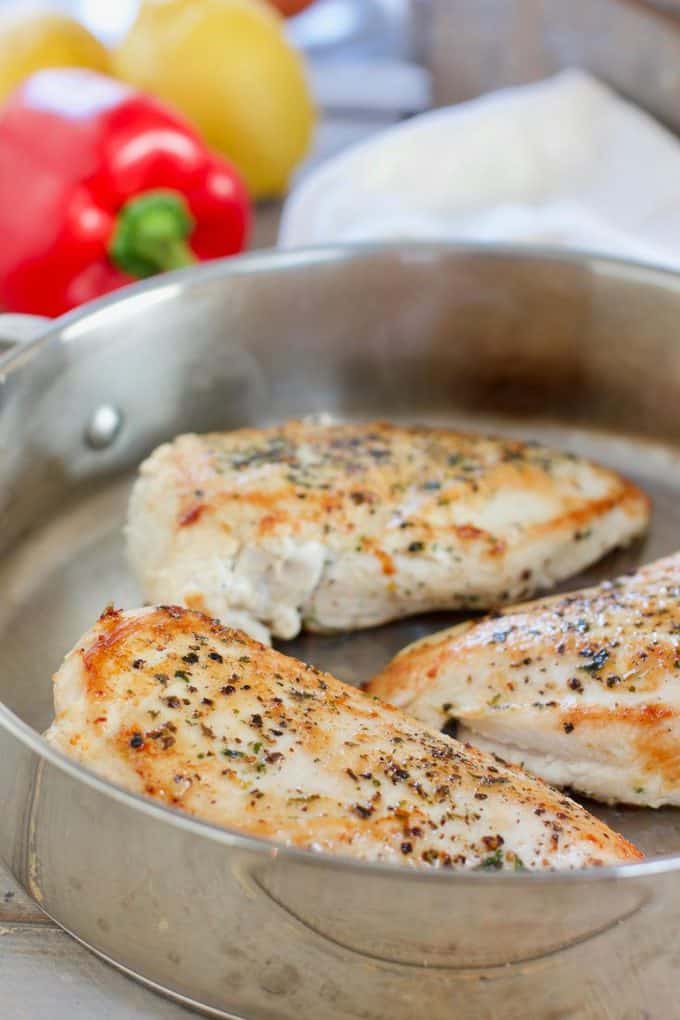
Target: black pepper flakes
{"points": [[450, 728], [598, 660]]}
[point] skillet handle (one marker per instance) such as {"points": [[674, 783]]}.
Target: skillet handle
{"points": [[19, 329]]}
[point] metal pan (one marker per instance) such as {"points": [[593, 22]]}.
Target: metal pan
{"points": [[581, 351]]}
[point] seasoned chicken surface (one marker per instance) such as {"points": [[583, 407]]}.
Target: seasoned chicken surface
{"points": [[337, 527], [169, 703], [582, 689]]}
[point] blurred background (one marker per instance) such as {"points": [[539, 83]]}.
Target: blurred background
{"points": [[372, 62], [281, 87], [365, 57]]}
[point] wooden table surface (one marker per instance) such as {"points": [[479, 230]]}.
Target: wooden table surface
{"points": [[46, 975]]}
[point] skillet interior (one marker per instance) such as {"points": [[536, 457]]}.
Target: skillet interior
{"points": [[580, 353], [66, 573]]}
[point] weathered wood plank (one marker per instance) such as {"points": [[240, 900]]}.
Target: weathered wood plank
{"points": [[15, 905], [46, 975]]}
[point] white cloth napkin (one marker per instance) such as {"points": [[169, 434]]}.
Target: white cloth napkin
{"points": [[563, 162]]}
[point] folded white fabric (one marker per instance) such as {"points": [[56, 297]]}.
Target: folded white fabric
{"points": [[563, 162]]}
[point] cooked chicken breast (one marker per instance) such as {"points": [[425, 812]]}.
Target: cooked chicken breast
{"points": [[339, 527], [583, 689], [166, 702]]}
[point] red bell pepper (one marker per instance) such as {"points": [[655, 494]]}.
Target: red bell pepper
{"points": [[101, 185]]}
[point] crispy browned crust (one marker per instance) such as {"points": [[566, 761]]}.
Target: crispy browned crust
{"points": [[204, 719], [381, 521], [597, 665]]}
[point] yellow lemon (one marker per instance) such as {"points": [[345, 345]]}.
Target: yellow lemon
{"points": [[227, 65], [34, 40]]}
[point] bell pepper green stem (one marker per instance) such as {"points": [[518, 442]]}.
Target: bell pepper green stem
{"points": [[151, 234]]}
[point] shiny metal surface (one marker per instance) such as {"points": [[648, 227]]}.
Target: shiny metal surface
{"points": [[580, 351], [103, 427]]}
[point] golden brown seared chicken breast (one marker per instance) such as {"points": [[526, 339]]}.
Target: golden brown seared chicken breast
{"points": [[338, 527], [169, 703], [581, 689]]}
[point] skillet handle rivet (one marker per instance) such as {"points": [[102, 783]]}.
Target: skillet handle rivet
{"points": [[103, 427]]}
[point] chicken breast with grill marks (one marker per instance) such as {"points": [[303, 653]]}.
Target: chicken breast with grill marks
{"points": [[338, 527], [168, 703], [582, 689]]}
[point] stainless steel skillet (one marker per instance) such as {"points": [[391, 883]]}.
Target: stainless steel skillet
{"points": [[581, 351]]}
